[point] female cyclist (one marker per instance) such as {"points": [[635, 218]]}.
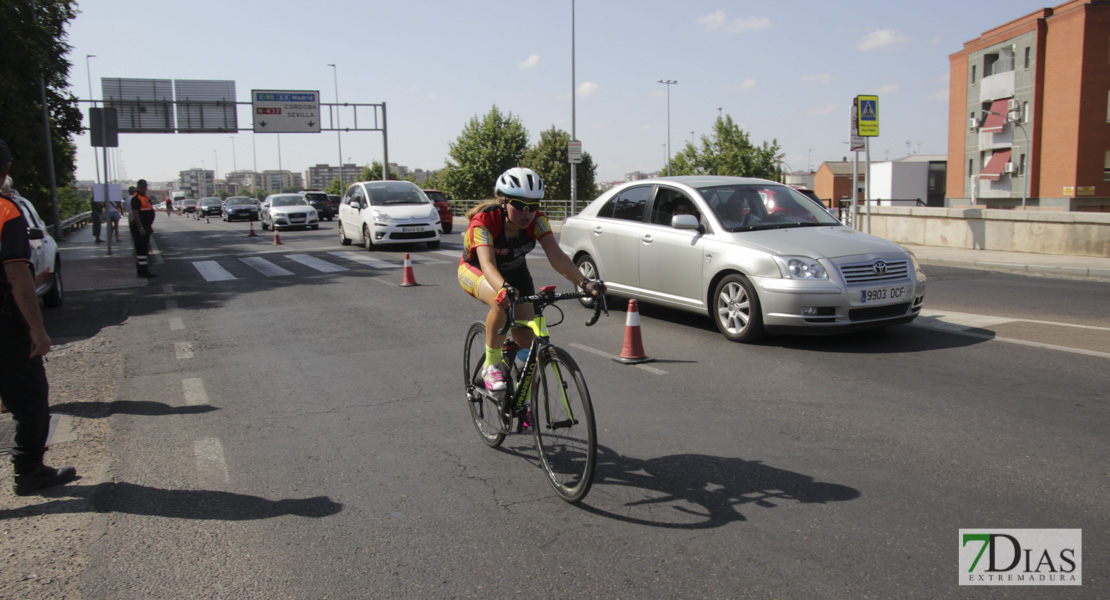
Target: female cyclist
{"points": [[493, 268]]}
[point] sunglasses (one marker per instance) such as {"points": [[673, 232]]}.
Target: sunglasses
{"points": [[525, 206]]}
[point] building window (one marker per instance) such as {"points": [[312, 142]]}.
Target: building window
{"points": [[1024, 112], [973, 67], [1027, 58], [1106, 167], [1021, 166], [971, 166]]}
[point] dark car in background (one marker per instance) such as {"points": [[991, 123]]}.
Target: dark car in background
{"points": [[210, 206], [320, 201], [446, 213], [334, 202], [240, 207]]}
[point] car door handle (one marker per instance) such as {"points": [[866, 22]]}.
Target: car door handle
{"points": [[646, 238], [598, 230]]}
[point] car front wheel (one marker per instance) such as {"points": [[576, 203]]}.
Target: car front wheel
{"points": [[736, 311], [54, 297], [367, 241], [343, 239], [588, 268]]}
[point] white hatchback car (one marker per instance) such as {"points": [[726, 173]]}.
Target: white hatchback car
{"points": [[375, 213], [754, 255], [45, 259]]}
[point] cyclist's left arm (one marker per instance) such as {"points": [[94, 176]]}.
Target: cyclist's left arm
{"points": [[559, 260]]}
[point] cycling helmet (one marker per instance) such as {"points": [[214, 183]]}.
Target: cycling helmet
{"points": [[520, 182]]}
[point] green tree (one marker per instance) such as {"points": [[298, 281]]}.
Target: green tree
{"points": [[727, 151], [334, 188], [549, 159], [34, 44], [374, 172], [486, 148]]}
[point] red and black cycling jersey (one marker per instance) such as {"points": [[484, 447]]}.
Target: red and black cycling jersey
{"points": [[15, 245], [487, 228]]}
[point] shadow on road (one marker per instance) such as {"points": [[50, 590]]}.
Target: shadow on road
{"points": [[129, 498], [695, 491], [100, 410]]}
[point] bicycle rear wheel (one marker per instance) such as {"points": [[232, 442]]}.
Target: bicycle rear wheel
{"points": [[484, 409], [563, 425]]}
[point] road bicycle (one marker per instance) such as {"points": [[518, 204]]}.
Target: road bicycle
{"points": [[547, 395]]}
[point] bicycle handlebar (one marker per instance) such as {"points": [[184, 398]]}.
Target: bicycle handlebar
{"points": [[543, 299]]}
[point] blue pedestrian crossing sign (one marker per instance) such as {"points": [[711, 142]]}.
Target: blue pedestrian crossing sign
{"points": [[868, 115]]}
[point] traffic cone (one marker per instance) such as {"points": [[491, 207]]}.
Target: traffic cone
{"points": [[633, 351], [206, 218], [409, 278], [277, 238], [252, 233]]}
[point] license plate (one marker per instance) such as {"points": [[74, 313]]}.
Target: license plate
{"points": [[411, 229], [883, 295], [296, 218]]}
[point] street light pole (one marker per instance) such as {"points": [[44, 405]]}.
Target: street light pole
{"points": [[338, 133], [668, 83], [89, 73], [234, 163]]}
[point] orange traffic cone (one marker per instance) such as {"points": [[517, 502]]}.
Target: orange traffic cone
{"points": [[206, 218], [633, 351], [409, 278], [277, 238], [252, 233]]}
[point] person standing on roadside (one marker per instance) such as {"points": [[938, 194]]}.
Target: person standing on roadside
{"points": [[23, 344], [115, 207], [97, 216], [142, 226]]}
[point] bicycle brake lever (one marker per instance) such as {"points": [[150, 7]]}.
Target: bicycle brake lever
{"points": [[597, 311]]}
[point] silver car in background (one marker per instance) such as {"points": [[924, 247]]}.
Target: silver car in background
{"points": [[755, 255], [282, 211]]}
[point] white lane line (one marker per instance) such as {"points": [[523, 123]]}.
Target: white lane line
{"points": [[194, 391], [265, 267], [320, 265], [176, 324], [171, 304], [422, 260], [377, 263], [613, 357], [158, 258], [210, 270], [455, 254], [210, 458], [964, 323], [949, 317], [167, 289], [184, 350]]}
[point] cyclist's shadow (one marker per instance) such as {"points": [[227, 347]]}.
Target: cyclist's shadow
{"points": [[695, 491]]}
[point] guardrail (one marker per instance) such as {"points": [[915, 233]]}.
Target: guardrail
{"points": [[75, 222]]}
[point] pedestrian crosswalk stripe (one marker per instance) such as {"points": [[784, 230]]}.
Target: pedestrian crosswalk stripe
{"points": [[320, 265], [422, 260], [265, 267], [455, 254], [366, 260], [211, 270]]}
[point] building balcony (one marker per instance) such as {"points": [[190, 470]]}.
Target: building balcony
{"points": [[996, 87]]}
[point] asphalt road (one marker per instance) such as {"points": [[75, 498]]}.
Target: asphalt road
{"points": [[300, 433]]}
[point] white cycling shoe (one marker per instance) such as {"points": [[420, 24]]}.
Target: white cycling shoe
{"points": [[493, 378]]}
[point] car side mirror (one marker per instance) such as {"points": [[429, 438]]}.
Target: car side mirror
{"points": [[35, 233], [685, 222]]}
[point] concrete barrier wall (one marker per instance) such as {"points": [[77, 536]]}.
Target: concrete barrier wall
{"points": [[1066, 233]]}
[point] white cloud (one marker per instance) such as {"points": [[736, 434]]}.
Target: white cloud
{"points": [[889, 88], [820, 78], [645, 127], [820, 111], [719, 20], [935, 41], [588, 89], [940, 96], [743, 86], [882, 38], [531, 61]]}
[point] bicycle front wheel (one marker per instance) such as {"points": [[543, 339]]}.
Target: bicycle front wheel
{"points": [[484, 409], [563, 425]]}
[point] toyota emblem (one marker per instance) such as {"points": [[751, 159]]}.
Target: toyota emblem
{"points": [[880, 267]]}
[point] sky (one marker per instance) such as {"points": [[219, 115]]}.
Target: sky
{"points": [[785, 71]]}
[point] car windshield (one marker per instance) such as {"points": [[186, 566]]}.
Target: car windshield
{"points": [[210, 202], [239, 201], [316, 197], [746, 207], [392, 193], [288, 201], [190, 203], [436, 196]]}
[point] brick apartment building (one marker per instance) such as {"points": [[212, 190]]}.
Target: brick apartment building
{"points": [[1046, 75], [833, 181]]}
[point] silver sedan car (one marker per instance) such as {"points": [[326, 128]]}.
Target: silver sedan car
{"points": [[283, 211], [756, 256]]}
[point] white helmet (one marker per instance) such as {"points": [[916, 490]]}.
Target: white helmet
{"points": [[520, 182]]}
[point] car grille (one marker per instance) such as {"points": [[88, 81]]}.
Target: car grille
{"points": [[296, 218], [876, 271], [878, 312], [419, 235]]}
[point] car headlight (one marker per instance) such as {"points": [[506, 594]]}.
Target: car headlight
{"points": [[381, 217], [312, 214], [800, 267], [913, 260]]}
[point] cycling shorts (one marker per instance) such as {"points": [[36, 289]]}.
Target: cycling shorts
{"points": [[470, 277]]}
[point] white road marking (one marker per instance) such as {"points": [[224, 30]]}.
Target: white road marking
{"points": [[184, 350], [210, 458], [265, 267], [964, 324], [158, 258], [320, 265], [176, 324], [171, 304], [423, 260], [358, 257], [613, 357], [167, 289], [455, 254], [194, 391], [210, 270]]}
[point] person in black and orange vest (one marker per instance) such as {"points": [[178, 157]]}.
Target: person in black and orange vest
{"points": [[141, 224], [23, 344]]}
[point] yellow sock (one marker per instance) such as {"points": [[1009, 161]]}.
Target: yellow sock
{"points": [[493, 356]]}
